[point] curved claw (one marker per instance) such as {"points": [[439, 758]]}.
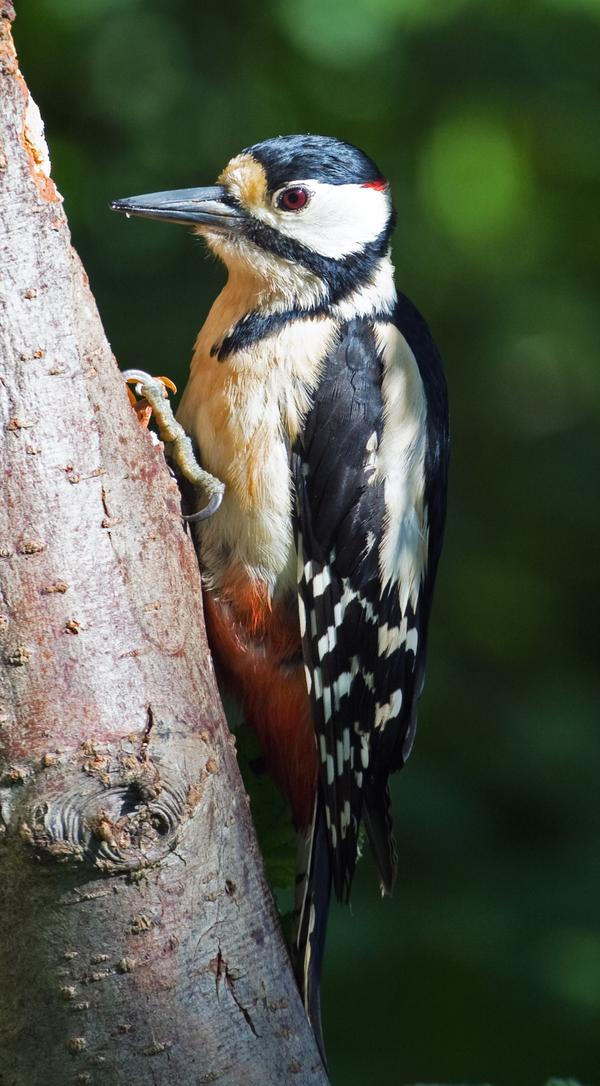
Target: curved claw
{"points": [[208, 511], [141, 378], [138, 375]]}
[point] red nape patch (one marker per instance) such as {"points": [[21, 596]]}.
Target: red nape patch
{"points": [[380, 186]]}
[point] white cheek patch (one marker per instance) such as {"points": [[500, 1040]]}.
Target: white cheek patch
{"points": [[337, 220]]}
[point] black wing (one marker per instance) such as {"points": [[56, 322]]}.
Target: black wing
{"points": [[364, 653], [364, 684]]}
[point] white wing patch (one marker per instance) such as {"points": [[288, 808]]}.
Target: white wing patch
{"points": [[401, 467]]}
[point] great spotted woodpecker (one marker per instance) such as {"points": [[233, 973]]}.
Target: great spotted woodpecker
{"points": [[317, 396]]}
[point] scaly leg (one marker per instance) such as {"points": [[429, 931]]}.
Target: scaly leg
{"points": [[181, 451]]}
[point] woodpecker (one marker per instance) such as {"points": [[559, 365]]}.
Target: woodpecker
{"points": [[317, 395]]}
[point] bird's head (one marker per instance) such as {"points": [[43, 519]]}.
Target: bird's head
{"points": [[305, 212]]}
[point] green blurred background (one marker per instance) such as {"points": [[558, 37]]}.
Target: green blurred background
{"points": [[485, 967]]}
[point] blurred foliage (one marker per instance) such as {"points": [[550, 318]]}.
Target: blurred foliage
{"points": [[485, 115], [272, 818]]}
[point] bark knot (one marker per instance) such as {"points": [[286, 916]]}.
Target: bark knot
{"points": [[122, 826]]}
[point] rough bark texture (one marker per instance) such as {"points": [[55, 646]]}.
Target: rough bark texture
{"points": [[139, 940]]}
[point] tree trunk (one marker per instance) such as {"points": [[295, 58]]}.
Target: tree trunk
{"points": [[140, 943]]}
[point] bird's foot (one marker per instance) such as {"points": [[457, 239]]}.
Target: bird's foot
{"points": [[153, 399]]}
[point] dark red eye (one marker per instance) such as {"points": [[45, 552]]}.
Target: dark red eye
{"points": [[293, 199]]}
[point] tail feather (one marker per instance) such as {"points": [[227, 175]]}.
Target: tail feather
{"points": [[377, 818], [313, 889]]}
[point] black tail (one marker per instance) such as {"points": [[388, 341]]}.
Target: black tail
{"points": [[377, 818], [313, 888]]}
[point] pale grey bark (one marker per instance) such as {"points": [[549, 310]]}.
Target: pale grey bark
{"points": [[139, 941]]}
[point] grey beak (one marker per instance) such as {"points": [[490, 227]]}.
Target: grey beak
{"points": [[205, 205]]}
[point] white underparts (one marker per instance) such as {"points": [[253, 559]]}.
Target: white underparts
{"points": [[244, 413]]}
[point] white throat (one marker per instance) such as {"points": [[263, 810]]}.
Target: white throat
{"points": [[267, 281]]}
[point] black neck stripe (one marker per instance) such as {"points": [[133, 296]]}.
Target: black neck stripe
{"points": [[255, 326], [341, 276]]}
